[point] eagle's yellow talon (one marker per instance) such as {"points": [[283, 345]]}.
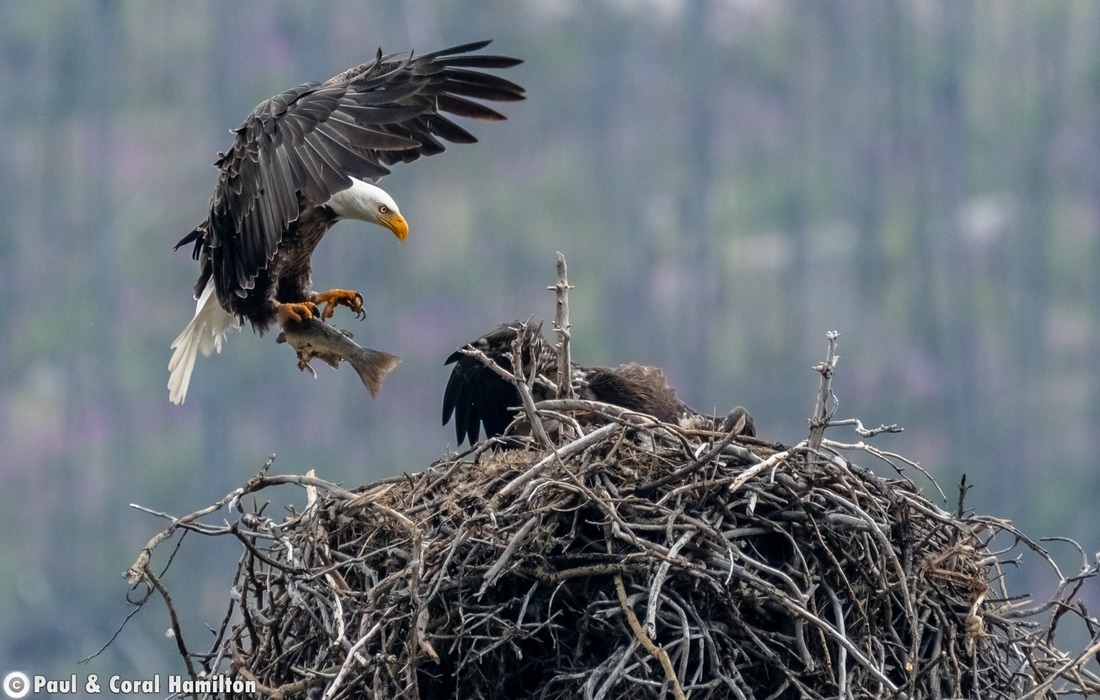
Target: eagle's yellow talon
{"points": [[335, 297]]}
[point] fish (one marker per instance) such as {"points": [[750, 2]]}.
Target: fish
{"points": [[315, 339]]}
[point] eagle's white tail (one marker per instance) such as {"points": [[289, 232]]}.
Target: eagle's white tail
{"points": [[204, 334]]}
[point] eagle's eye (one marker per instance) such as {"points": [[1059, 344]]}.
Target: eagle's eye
{"points": [[382, 209]]}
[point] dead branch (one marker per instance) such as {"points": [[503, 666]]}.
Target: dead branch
{"points": [[826, 400], [562, 329]]}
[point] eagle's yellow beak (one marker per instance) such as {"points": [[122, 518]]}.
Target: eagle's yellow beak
{"points": [[396, 223]]}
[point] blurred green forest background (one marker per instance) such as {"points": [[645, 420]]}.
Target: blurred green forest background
{"points": [[729, 180]]}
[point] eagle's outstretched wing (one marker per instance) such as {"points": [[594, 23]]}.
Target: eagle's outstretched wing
{"points": [[302, 146]]}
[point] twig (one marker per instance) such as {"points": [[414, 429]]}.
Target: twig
{"points": [[349, 659], [842, 652], [137, 571], [889, 457], [769, 463], [488, 362], [564, 452], [562, 329], [678, 475], [826, 401], [177, 632], [857, 425], [658, 582], [655, 651], [513, 544], [523, 380]]}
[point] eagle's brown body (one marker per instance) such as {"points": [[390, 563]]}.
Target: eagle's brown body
{"points": [[287, 279]]}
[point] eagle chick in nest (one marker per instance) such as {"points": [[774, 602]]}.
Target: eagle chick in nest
{"points": [[477, 396]]}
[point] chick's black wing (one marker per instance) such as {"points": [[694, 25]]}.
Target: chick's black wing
{"points": [[476, 395]]}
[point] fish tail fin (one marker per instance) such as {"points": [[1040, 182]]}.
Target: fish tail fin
{"points": [[372, 366], [205, 333]]}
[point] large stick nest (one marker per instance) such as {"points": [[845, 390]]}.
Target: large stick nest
{"points": [[639, 560]]}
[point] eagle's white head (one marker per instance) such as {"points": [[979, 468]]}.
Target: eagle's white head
{"points": [[369, 203]]}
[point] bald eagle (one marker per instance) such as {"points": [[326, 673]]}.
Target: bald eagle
{"points": [[299, 163], [477, 396]]}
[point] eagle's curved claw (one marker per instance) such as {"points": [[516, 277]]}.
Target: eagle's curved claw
{"points": [[335, 297]]}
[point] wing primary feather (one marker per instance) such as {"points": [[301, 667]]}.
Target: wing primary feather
{"points": [[446, 129], [467, 108], [486, 61], [460, 49], [499, 89]]}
